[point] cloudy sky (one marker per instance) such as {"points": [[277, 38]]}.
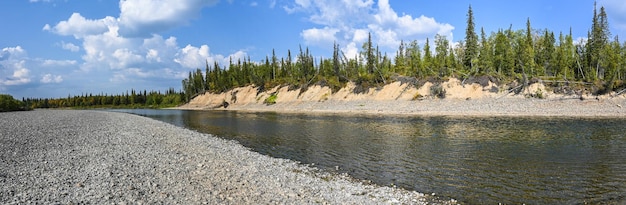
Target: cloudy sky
{"points": [[56, 48]]}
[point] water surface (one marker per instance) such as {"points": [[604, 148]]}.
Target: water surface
{"points": [[476, 160]]}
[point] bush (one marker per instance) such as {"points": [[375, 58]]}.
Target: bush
{"points": [[438, 91], [271, 99], [417, 96], [8, 103]]}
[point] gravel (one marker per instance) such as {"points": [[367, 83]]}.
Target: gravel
{"points": [[508, 106], [77, 157]]}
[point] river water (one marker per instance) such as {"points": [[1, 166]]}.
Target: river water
{"points": [[476, 160]]}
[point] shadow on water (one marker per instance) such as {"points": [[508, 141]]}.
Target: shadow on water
{"points": [[476, 160]]}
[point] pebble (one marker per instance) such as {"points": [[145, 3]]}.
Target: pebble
{"points": [[128, 159]]}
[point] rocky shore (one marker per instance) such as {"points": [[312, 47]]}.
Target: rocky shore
{"points": [[484, 107], [76, 157]]}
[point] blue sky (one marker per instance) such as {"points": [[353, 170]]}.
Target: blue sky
{"points": [[56, 48]]}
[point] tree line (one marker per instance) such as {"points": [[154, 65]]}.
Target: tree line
{"points": [[8, 103], [134, 99], [507, 54]]}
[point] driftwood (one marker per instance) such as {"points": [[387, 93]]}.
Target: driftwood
{"points": [[511, 90], [619, 93], [564, 81]]}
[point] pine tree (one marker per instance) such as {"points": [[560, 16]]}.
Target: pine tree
{"points": [[527, 55], [441, 47], [427, 60], [414, 54], [400, 60], [369, 55], [485, 58], [471, 42], [597, 39]]}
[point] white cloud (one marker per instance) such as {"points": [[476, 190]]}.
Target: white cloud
{"points": [[349, 22], [13, 70], [254, 4], [125, 58], [58, 63], [79, 26], [324, 36], [146, 17], [192, 57], [128, 46], [49, 78], [70, 47]]}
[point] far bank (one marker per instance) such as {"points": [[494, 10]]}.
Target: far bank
{"points": [[450, 98]]}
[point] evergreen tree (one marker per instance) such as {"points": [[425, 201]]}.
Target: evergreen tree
{"points": [[471, 41], [427, 61], [485, 56], [441, 47], [400, 60]]}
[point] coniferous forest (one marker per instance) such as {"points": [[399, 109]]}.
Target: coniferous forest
{"points": [[596, 63], [507, 54]]}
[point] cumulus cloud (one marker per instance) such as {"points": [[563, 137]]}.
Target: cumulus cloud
{"points": [[49, 78], [147, 17], [79, 26], [70, 47], [13, 70], [316, 36], [350, 21], [58, 63], [128, 47]]}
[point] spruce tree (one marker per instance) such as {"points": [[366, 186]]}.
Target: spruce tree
{"points": [[471, 41]]}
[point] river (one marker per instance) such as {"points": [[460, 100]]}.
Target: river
{"points": [[475, 160]]}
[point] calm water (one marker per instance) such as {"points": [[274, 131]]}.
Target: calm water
{"points": [[473, 160]]}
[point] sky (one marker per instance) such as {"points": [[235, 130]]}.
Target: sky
{"points": [[57, 48]]}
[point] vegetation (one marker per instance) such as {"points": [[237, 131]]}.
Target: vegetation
{"points": [[507, 55], [152, 99], [8, 103], [271, 99]]}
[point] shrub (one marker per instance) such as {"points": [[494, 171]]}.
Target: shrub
{"points": [[417, 96], [438, 91], [271, 99]]}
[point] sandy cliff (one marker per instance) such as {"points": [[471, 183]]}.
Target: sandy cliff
{"points": [[396, 91]]}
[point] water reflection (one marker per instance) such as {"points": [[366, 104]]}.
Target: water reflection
{"points": [[474, 160]]}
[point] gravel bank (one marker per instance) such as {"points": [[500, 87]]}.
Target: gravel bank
{"points": [[70, 157], [507, 106]]}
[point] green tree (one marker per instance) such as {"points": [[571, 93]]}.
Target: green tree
{"points": [[485, 57], [414, 54], [545, 57], [442, 46], [427, 61], [471, 42], [8, 103]]}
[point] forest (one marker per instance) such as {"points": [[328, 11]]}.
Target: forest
{"points": [[507, 55], [596, 63], [134, 99]]}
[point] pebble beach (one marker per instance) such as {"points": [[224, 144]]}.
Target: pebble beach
{"points": [[77, 157]]}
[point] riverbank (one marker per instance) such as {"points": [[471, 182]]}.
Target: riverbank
{"points": [[515, 107], [73, 157], [403, 99]]}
